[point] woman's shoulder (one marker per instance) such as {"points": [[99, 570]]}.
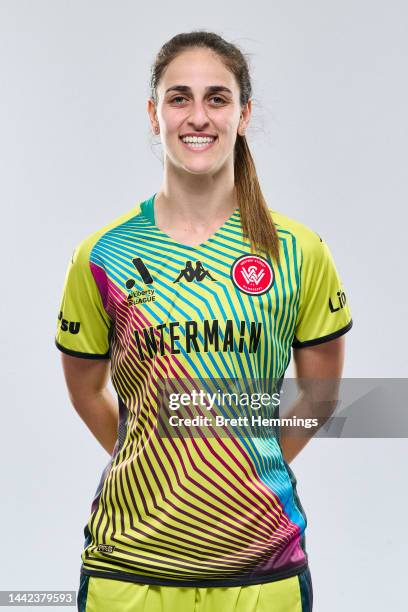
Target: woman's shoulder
{"points": [[302, 232], [85, 245]]}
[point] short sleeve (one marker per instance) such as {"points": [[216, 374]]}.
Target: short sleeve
{"points": [[83, 326], [324, 312]]}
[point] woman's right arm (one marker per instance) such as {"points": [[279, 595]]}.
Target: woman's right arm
{"points": [[86, 380]]}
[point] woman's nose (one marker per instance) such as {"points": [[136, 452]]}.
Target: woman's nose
{"points": [[198, 114]]}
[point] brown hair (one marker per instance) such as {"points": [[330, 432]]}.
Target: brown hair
{"points": [[257, 223]]}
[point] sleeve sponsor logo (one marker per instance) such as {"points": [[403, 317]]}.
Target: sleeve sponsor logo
{"points": [[70, 326], [339, 301]]}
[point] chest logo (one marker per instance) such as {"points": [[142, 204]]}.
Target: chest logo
{"points": [[252, 274], [143, 271], [140, 296], [190, 273]]}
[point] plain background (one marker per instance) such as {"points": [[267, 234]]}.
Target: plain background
{"points": [[329, 138]]}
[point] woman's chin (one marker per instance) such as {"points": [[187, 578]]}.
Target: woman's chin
{"points": [[197, 168]]}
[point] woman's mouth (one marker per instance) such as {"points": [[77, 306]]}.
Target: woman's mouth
{"points": [[197, 144]]}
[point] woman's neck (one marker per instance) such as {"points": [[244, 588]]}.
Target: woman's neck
{"points": [[200, 202]]}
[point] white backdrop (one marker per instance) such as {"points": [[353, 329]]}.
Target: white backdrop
{"points": [[329, 137]]}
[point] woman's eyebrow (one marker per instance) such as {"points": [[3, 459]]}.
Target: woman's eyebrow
{"points": [[211, 88]]}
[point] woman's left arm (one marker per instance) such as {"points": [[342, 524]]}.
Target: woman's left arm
{"points": [[313, 363]]}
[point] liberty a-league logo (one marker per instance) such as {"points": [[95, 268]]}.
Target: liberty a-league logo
{"points": [[190, 273], [140, 296], [252, 274]]}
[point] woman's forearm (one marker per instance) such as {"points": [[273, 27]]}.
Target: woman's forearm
{"points": [[293, 441], [99, 412], [307, 406]]}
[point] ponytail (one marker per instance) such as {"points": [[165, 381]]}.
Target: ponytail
{"points": [[256, 219]]}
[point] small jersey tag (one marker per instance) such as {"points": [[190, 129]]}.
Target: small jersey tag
{"points": [[105, 548]]}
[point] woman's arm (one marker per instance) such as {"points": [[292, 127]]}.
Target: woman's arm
{"points": [[86, 380], [320, 362]]}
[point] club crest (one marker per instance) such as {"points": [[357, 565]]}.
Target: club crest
{"points": [[252, 274]]}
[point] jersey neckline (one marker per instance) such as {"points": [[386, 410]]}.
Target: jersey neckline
{"points": [[147, 209]]}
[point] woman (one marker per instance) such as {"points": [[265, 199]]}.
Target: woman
{"points": [[198, 288]]}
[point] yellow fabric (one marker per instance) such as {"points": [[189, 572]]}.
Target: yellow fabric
{"points": [[81, 303], [323, 306], [107, 595]]}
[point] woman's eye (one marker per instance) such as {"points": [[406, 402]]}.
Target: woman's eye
{"points": [[218, 98], [212, 98], [178, 98]]}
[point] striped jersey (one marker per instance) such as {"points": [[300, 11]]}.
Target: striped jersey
{"points": [[196, 491]]}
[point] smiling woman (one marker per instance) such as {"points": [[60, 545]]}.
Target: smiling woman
{"points": [[199, 283], [201, 105]]}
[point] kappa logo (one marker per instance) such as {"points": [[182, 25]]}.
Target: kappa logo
{"points": [[189, 273], [252, 274]]}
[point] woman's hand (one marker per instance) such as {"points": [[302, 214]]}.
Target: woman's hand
{"points": [[322, 362]]}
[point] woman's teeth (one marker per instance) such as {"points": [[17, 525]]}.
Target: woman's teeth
{"points": [[197, 142]]}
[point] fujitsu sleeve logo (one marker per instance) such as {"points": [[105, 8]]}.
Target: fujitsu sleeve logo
{"points": [[70, 326]]}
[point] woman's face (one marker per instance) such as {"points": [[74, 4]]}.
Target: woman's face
{"points": [[199, 96]]}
